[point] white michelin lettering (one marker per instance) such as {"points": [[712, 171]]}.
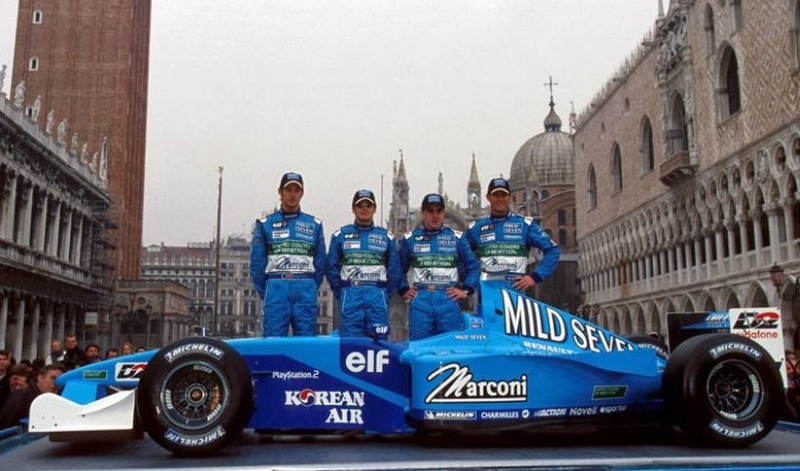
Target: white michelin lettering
{"points": [[720, 350], [200, 440], [731, 432], [193, 347], [459, 386]]}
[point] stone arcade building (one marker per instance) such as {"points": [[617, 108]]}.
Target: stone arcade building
{"points": [[53, 276], [687, 165]]}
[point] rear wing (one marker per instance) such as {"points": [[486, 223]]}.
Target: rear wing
{"points": [[762, 325]]}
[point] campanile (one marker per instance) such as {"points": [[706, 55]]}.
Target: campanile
{"points": [[88, 60]]}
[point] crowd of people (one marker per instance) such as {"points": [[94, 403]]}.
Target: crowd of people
{"points": [[792, 410], [21, 382], [365, 264]]}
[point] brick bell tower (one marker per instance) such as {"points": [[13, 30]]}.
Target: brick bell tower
{"points": [[87, 61]]}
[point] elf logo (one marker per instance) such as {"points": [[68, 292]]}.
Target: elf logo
{"points": [[371, 361]]}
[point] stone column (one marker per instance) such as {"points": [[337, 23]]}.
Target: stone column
{"points": [[77, 246], [42, 226], [65, 249], [709, 251], [55, 230], [62, 314], [48, 328], [719, 243], [788, 221], [37, 313], [27, 217], [757, 237], [19, 332], [774, 231], [3, 319], [9, 207]]}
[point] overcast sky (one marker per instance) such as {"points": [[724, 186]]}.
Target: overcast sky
{"points": [[334, 89]]}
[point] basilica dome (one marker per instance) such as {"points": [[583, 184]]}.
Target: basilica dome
{"points": [[545, 159]]}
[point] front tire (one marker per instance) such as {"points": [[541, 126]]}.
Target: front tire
{"points": [[195, 396], [723, 390]]}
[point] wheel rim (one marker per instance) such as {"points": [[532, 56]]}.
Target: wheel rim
{"points": [[194, 395], [735, 390]]}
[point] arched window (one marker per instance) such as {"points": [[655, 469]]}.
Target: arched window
{"points": [[736, 14], [616, 169], [37, 17], [562, 217], [797, 35], [562, 237], [677, 134], [708, 26], [729, 95], [648, 157], [33, 64], [592, 188]]}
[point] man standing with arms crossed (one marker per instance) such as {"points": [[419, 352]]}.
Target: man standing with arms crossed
{"points": [[503, 240], [439, 257], [363, 271], [287, 262]]}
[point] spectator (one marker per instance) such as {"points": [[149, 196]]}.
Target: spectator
{"points": [[126, 348], [19, 402], [5, 365], [73, 358], [20, 376], [112, 353], [141, 348], [56, 353], [793, 387], [92, 354]]}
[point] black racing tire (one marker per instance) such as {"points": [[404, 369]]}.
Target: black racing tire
{"points": [[195, 395], [722, 390], [645, 341]]}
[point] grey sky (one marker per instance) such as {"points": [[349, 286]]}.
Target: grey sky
{"points": [[333, 89]]}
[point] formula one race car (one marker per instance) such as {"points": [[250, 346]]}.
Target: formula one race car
{"points": [[521, 365]]}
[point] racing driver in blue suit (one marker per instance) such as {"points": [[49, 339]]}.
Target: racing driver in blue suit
{"points": [[287, 263], [438, 258], [363, 271], [503, 239]]}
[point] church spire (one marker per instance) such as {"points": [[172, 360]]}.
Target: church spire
{"points": [[552, 123], [474, 191], [474, 182], [400, 177]]}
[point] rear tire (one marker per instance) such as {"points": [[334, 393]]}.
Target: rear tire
{"points": [[195, 396], [723, 390]]}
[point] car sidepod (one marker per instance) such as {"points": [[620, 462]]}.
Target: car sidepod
{"points": [[327, 384], [530, 366]]}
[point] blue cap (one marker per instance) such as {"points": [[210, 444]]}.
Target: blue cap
{"points": [[291, 178], [432, 199]]}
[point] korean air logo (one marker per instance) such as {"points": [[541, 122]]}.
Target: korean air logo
{"points": [[307, 397]]}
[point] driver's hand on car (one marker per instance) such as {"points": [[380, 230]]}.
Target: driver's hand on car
{"points": [[522, 283]]}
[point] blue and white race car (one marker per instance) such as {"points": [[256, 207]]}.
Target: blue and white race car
{"points": [[521, 365]]}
